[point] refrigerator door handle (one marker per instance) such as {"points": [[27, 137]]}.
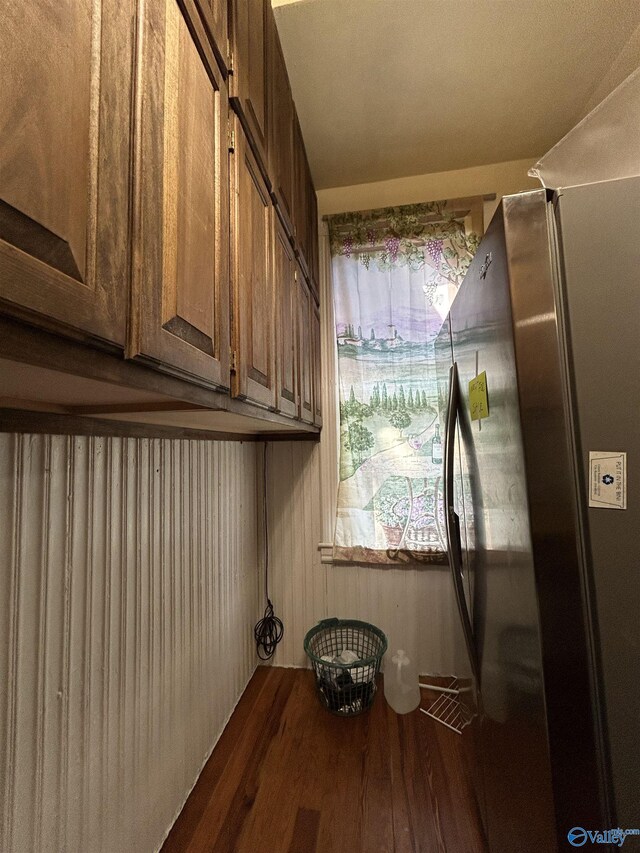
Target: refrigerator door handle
{"points": [[452, 520]]}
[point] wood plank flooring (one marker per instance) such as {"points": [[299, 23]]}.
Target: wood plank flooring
{"points": [[289, 777]]}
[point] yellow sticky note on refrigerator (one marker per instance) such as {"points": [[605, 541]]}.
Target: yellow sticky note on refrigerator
{"points": [[478, 401]]}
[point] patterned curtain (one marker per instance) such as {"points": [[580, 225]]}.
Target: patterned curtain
{"points": [[395, 273]]}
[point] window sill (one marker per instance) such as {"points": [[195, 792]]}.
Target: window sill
{"points": [[391, 558]]}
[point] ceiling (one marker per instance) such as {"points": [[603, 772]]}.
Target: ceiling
{"points": [[391, 88]]}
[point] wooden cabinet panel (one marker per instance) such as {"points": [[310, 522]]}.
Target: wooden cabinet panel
{"points": [[316, 365], [64, 172], [305, 212], [301, 196], [305, 350], [253, 306], [313, 239], [215, 16], [286, 313], [181, 310], [281, 112], [252, 21]]}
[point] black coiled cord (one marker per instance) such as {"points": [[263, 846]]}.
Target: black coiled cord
{"points": [[268, 633], [269, 630]]}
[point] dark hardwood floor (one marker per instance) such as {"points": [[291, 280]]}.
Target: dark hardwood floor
{"points": [[289, 777]]}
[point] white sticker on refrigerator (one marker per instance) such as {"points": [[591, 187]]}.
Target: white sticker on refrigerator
{"points": [[607, 479]]}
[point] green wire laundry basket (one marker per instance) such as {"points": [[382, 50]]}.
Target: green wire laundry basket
{"points": [[346, 656]]}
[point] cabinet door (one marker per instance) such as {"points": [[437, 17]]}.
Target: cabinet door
{"points": [[305, 212], [313, 238], [305, 350], [316, 365], [281, 128], [253, 306], [64, 163], [301, 198], [251, 23], [181, 309], [287, 312], [215, 16]]}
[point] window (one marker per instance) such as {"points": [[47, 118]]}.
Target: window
{"points": [[395, 272]]}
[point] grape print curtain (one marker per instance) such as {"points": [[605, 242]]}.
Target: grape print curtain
{"points": [[395, 273]]}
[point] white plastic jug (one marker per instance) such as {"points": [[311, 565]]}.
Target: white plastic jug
{"points": [[401, 688]]}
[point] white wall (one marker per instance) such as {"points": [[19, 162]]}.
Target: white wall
{"points": [[414, 607], [128, 593], [499, 178]]}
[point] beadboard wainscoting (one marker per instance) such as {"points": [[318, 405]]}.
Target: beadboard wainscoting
{"points": [[413, 606], [129, 587]]}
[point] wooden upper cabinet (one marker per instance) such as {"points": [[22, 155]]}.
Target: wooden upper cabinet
{"points": [[305, 350], [301, 195], [305, 212], [281, 113], [180, 315], [286, 323], [313, 239], [215, 15], [251, 25], [316, 365], [64, 163], [254, 376]]}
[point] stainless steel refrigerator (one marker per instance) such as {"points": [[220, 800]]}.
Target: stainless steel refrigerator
{"points": [[543, 512]]}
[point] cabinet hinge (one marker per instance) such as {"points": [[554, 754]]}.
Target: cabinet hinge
{"points": [[234, 361], [232, 140]]}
